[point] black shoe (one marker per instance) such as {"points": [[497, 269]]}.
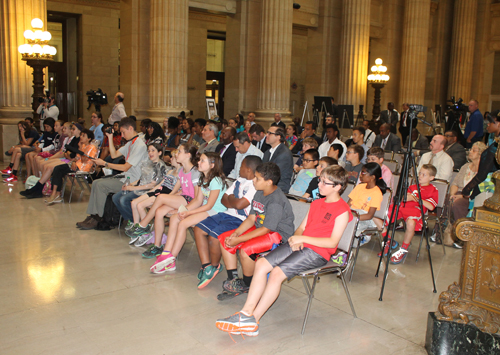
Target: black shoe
{"points": [[26, 192], [35, 194]]}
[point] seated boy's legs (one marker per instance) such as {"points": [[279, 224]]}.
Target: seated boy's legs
{"points": [[123, 202], [98, 194]]}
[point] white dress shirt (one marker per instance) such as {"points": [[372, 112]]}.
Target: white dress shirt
{"points": [[117, 114], [443, 163], [253, 150]]}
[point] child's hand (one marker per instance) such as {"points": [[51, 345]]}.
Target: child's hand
{"points": [[231, 241], [297, 247], [295, 239], [183, 215]]}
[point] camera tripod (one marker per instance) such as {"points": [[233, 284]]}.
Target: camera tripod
{"points": [[399, 198]]}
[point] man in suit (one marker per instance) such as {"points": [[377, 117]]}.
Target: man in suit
{"points": [[387, 140], [309, 131], [404, 125], [390, 116], [209, 134], [418, 141], [277, 121], [455, 150], [259, 137], [227, 150], [280, 154]]}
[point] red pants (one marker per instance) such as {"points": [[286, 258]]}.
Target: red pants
{"points": [[409, 213], [253, 246]]}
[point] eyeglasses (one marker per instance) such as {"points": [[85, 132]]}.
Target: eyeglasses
{"points": [[348, 152], [448, 135], [269, 132], [308, 160], [323, 181]]}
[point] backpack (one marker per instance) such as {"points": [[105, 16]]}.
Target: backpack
{"points": [[111, 216]]}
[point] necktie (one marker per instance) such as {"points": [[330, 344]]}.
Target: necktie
{"points": [[222, 150], [432, 158], [384, 142]]}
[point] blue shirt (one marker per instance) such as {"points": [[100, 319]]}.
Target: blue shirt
{"points": [[475, 124], [98, 135]]}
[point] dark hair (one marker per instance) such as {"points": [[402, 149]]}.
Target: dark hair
{"points": [[192, 150], [312, 123], [360, 129], [201, 122], [358, 150], [30, 119], [338, 175], [241, 119], [280, 132], [190, 122], [233, 131], [330, 161], [182, 115], [332, 126], [242, 137], [224, 122], [157, 131], [173, 122], [257, 129], [99, 115], [50, 122], [252, 161], [106, 126], [89, 134], [25, 126], [132, 117], [294, 127], [453, 133], [313, 153], [373, 169], [146, 122], [339, 147], [157, 146], [269, 171], [127, 122], [215, 172]]}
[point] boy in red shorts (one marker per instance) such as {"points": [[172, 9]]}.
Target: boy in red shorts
{"points": [[410, 211], [314, 242], [270, 222]]}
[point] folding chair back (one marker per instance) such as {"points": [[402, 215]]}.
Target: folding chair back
{"points": [[388, 155], [347, 191], [295, 159], [393, 165], [384, 206], [300, 210], [345, 242], [442, 186]]}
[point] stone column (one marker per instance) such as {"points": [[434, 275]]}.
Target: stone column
{"points": [[462, 49], [354, 47], [15, 76], [168, 58], [414, 55], [275, 59]]}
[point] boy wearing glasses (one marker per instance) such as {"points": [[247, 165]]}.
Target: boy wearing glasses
{"points": [[312, 245], [353, 156], [308, 172]]}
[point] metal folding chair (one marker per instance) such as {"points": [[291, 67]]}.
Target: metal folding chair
{"points": [[393, 165], [300, 210], [347, 191], [345, 245], [388, 154]]}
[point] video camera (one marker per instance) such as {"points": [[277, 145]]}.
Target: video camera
{"points": [[457, 105], [98, 98]]}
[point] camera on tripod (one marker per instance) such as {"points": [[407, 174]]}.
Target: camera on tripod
{"points": [[457, 105], [98, 98]]}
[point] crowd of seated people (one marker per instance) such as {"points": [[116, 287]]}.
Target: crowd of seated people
{"points": [[232, 184]]}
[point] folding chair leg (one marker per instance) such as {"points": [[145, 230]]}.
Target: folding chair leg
{"points": [[72, 189], [120, 222], [420, 244], [354, 261], [63, 188], [442, 237], [348, 295], [311, 296]]}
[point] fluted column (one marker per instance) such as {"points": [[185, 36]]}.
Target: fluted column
{"points": [[275, 58], [462, 49], [354, 52], [414, 54], [15, 76], [168, 57]]}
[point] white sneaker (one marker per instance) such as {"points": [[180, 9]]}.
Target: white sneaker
{"points": [[363, 239]]}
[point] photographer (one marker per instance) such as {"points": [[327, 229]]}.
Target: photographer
{"points": [[47, 109]]}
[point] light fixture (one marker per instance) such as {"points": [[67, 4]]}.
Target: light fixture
{"points": [[377, 79], [38, 43]]}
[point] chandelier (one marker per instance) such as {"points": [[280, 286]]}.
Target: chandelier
{"points": [[378, 73], [37, 46]]}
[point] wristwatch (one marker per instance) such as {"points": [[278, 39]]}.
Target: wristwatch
{"points": [[106, 165]]}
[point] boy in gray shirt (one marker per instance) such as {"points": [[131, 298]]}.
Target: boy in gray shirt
{"points": [[270, 223]]}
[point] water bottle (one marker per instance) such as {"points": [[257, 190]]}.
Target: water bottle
{"points": [[127, 183]]}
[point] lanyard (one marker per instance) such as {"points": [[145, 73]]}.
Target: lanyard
{"points": [[130, 148]]}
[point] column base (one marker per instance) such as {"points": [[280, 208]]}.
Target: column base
{"points": [[9, 136], [17, 113], [452, 338]]}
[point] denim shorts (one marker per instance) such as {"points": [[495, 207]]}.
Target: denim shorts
{"points": [[218, 224]]}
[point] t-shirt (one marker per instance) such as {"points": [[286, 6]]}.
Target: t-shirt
{"points": [[302, 181], [313, 189], [320, 223], [170, 179], [215, 184], [273, 212], [363, 198], [134, 152], [84, 163], [151, 172], [241, 188], [429, 193], [33, 134], [188, 181], [47, 139], [73, 142], [353, 171], [98, 135]]}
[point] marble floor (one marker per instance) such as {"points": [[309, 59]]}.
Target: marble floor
{"points": [[66, 291]]}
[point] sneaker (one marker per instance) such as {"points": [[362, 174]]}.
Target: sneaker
{"points": [[200, 273], [399, 256], [129, 225], [36, 194], [239, 323], [364, 239], [432, 238], [137, 230], [144, 239], [458, 245], [7, 171], [153, 252], [394, 244], [233, 288], [26, 192], [162, 261], [340, 259], [169, 267], [11, 178], [208, 275]]}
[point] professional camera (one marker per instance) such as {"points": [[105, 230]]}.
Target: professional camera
{"points": [[109, 130], [457, 105], [456, 114], [45, 99], [98, 98]]}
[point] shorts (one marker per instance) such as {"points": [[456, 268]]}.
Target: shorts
{"points": [[45, 154], [407, 213], [292, 262], [187, 198], [25, 151], [218, 224], [163, 190], [253, 246]]}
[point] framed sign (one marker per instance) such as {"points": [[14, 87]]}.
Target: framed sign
{"points": [[211, 108]]}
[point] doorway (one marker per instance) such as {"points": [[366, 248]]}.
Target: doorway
{"points": [[216, 46]]}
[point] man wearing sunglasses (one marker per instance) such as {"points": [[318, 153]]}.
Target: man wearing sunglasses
{"points": [[281, 155]]}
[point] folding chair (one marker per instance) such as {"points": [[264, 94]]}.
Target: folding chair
{"points": [[300, 210], [347, 191], [393, 165], [388, 154], [443, 190], [382, 214], [81, 178], [345, 245]]}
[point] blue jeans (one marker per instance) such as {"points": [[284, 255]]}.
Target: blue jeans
{"points": [[123, 203]]}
